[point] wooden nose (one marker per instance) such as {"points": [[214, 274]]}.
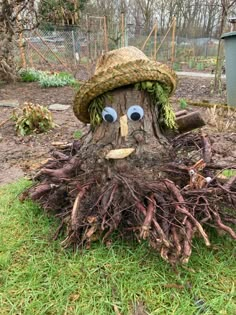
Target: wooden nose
{"points": [[124, 129]]}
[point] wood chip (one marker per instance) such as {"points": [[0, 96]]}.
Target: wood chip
{"points": [[119, 153]]}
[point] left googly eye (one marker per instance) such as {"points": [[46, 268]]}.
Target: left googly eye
{"points": [[135, 113], [109, 114]]}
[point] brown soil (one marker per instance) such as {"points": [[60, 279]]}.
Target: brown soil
{"points": [[19, 155], [196, 88]]}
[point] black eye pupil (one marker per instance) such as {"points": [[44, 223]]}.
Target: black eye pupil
{"points": [[109, 118], [135, 116]]}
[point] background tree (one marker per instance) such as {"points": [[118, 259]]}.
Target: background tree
{"points": [[15, 16], [61, 12], [194, 18]]}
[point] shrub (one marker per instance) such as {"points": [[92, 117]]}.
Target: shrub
{"points": [[33, 118], [200, 66], [176, 66], [30, 75], [46, 79], [56, 80]]}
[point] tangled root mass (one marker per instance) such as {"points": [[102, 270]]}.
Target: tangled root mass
{"points": [[162, 209]]}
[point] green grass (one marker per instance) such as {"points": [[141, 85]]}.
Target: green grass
{"points": [[39, 277]]}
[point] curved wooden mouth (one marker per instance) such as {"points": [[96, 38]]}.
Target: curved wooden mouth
{"points": [[119, 153]]}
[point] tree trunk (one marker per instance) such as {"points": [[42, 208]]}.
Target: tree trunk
{"points": [[7, 64], [150, 146], [146, 130], [219, 61]]}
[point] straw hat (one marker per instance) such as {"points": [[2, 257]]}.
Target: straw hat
{"points": [[120, 67]]}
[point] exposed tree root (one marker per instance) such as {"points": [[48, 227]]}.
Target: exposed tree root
{"points": [[154, 205]]}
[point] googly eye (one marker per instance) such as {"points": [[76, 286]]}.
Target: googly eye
{"points": [[109, 114], [191, 172], [135, 113]]}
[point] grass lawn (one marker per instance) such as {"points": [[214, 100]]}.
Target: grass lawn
{"points": [[39, 277]]}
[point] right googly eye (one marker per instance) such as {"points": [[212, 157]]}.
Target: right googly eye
{"points": [[109, 114], [135, 113], [191, 172]]}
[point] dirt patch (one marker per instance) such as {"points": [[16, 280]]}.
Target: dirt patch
{"points": [[32, 92], [18, 155], [196, 88]]}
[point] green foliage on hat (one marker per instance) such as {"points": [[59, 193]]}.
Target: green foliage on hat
{"points": [[160, 96], [96, 107]]}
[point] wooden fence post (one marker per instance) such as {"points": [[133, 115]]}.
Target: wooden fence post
{"points": [[163, 39], [39, 53], [145, 43], [50, 49], [173, 41], [88, 36], [105, 34], [155, 42], [22, 51], [122, 29]]}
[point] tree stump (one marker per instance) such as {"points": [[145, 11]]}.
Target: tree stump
{"points": [[125, 175]]}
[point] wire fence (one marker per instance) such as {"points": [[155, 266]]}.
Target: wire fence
{"points": [[50, 48], [67, 48]]}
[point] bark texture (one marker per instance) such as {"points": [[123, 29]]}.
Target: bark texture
{"points": [[7, 31], [15, 15]]}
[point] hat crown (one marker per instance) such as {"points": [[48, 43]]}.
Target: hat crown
{"points": [[119, 56]]}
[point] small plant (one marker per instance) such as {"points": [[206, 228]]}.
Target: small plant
{"points": [[176, 66], [33, 118], [30, 75], [78, 134], [191, 64], [56, 80], [200, 66], [229, 172], [183, 103]]}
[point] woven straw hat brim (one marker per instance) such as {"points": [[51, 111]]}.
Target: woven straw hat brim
{"points": [[118, 76]]}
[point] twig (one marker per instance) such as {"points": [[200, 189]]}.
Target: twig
{"points": [[4, 122], [75, 210], [229, 183], [222, 225], [187, 248], [141, 208], [116, 310], [108, 203], [227, 189], [58, 230], [183, 210], [207, 153], [176, 241], [149, 217]]}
